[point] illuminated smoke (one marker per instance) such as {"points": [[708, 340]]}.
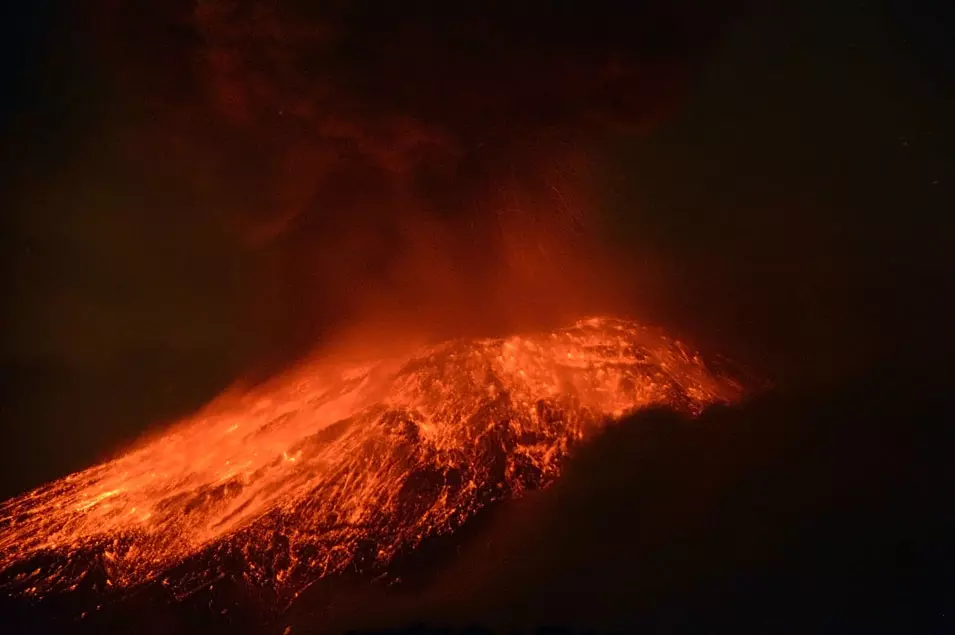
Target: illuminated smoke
{"points": [[425, 163]]}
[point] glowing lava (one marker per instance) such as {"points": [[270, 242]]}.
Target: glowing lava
{"points": [[326, 468]]}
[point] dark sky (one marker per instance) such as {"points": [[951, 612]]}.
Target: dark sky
{"points": [[187, 202], [810, 178]]}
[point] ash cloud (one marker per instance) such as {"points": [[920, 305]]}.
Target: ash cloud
{"points": [[420, 165]]}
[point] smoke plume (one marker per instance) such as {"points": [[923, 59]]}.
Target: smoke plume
{"points": [[424, 165]]}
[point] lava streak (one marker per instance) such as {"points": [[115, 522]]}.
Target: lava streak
{"points": [[326, 468]]}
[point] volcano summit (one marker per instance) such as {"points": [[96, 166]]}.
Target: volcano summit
{"points": [[330, 467]]}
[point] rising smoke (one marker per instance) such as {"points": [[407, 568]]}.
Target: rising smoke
{"points": [[424, 163]]}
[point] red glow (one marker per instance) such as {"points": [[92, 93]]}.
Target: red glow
{"points": [[330, 466]]}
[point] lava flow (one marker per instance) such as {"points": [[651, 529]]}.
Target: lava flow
{"points": [[327, 468]]}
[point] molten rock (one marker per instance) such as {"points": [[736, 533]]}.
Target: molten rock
{"points": [[327, 468]]}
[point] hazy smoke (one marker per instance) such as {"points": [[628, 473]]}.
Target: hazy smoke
{"points": [[422, 163]]}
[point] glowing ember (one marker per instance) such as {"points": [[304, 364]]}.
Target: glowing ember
{"points": [[324, 469]]}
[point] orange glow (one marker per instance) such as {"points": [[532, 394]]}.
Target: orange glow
{"points": [[328, 467]]}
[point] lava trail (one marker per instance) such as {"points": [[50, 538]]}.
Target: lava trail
{"points": [[329, 467]]}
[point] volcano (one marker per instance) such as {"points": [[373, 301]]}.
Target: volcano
{"points": [[334, 467]]}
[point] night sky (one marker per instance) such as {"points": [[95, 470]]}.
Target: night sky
{"points": [[186, 203]]}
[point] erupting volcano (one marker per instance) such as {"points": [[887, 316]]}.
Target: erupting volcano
{"points": [[329, 467]]}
